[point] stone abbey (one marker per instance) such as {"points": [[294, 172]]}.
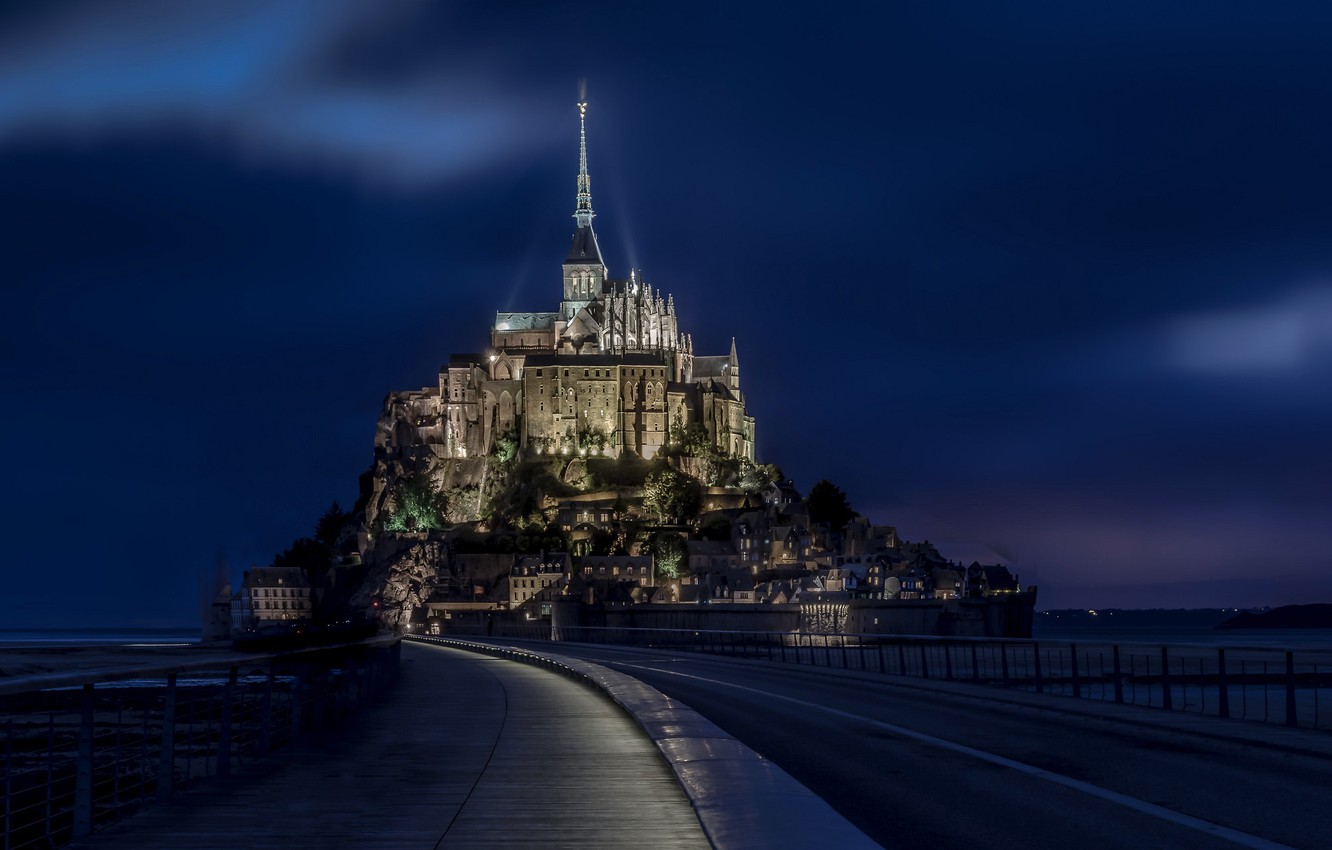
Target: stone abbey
{"points": [[609, 372]]}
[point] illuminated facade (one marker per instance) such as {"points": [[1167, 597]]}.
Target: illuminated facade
{"points": [[270, 595], [608, 372]]}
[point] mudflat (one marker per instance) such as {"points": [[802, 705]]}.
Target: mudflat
{"points": [[21, 661]]}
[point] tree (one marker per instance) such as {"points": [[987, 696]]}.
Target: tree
{"points": [[505, 448], [671, 554], [827, 503], [717, 527], [417, 505], [308, 555], [670, 493], [330, 525], [755, 476]]}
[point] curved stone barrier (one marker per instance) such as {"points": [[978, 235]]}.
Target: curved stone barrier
{"points": [[741, 799]]}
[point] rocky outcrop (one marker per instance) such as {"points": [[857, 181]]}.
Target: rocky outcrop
{"points": [[402, 572]]}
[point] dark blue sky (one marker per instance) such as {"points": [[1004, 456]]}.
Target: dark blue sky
{"points": [[1051, 281]]}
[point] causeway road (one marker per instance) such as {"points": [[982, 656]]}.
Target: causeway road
{"points": [[956, 767], [467, 751]]}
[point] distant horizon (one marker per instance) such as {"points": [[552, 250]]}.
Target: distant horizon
{"points": [[191, 627]]}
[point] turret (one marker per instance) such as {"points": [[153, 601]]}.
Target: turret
{"points": [[733, 370]]}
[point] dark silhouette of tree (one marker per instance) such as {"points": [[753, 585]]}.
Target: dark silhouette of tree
{"points": [[716, 527], [308, 555], [827, 503], [329, 527]]}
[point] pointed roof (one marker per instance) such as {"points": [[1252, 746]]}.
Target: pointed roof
{"points": [[584, 249]]}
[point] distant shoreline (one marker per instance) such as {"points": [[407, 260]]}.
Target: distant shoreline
{"points": [[11, 638]]}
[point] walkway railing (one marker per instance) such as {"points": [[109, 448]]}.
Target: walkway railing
{"points": [[88, 748], [1287, 686]]}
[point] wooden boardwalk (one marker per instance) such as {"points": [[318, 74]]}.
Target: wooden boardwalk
{"points": [[466, 752]]}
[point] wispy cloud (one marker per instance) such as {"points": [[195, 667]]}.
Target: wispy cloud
{"points": [[1282, 336], [249, 73]]}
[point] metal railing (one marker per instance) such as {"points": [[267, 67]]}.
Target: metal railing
{"points": [[89, 748], [1287, 686]]}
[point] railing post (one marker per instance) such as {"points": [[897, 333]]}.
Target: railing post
{"points": [[845, 662], [1223, 688], [1291, 718], [1167, 701], [50, 774], [881, 668], [975, 664], [266, 718], [224, 727], [948, 661], [1119, 678], [1036, 667], [924, 663], [166, 762], [1003, 663], [9, 790], [297, 706], [1073, 657], [83, 777]]}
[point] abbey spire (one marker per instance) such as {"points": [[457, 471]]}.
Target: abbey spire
{"points": [[583, 206]]}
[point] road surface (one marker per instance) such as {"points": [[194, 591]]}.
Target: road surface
{"points": [[931, 766]]}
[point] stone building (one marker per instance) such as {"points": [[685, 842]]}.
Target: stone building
{"points": [[270, 595], [534, 573], [609, 371]]}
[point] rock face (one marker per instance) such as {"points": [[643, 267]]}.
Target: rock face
{"points": [[402, 571], [575, 474]]}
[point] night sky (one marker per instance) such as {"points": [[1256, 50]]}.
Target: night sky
{"points": [[1042, 282]]}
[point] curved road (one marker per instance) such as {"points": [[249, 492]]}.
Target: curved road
{"points": [[914, 766], [465, 751]]}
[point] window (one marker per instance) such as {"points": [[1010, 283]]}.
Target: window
{"points": [[538, 373]]}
